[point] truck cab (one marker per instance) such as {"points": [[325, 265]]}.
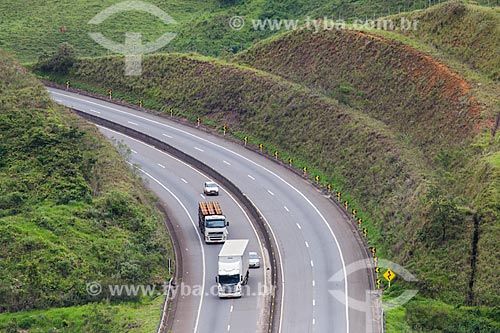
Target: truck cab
{"points": [[233, 268], [212, 223]]}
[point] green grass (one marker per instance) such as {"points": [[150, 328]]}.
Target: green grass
{"points": [[31, 29], [96, 317], [71, 212]]}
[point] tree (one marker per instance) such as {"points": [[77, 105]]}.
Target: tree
{"points": [[59, 62]]}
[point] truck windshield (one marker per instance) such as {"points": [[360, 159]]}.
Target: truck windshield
{"points": [[229, 279], [215, 223]]}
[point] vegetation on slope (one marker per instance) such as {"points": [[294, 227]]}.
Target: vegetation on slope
{"points": [[32, 29], [467, 32], [71, 212], [419, 98]]}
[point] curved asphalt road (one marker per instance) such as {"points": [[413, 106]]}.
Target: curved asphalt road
{"points": [[315, 242], [180, 187]]}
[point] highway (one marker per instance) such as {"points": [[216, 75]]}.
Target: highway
{"points": [[179, 186], [316, 243]]}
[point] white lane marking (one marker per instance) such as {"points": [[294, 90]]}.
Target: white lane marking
{"points": [[231, 310], [132, 123], [202, 196], [161, 165], [95, 111], [314, 302], [226, 162], [185, 181], [314, 321], [228, 328], [59, 100], [307, 244], [133, 151], [286, 208], [168, 136], [199, 239], [199, 149], [252, 178], [314, 283], [346, 291], [271, 193], [264, 259], [298, 226], [312, 263]]}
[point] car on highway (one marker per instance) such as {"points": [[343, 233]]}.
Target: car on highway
{"points": [[211, 188], [254, 259]]}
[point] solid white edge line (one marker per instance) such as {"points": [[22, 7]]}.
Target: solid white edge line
{"points": [[206, 176], [346, 291], [197, 233]]}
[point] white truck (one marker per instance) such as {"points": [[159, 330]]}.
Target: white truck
{"points": [[233, 268], [212, 222]]}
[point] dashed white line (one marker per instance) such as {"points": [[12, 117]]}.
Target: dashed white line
{"points": [[312, 263], [132, 123], [226, 162], [231, 310], [185, 181], [252, 178], [298, 226], [286, 208], [95, 111], [228, 328], [314, 283], [271, 193], [168, 136], [314, 302], [199, 149], [307, 244], [314, 321], [203, 197], [133, 151], [161, 165]]}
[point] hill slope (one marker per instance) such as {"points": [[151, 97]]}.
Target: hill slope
{"points": [[469, 33], [31, 29], [71, 212]]}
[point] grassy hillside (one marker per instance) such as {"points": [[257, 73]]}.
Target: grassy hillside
{"points": [[469, 33], [30, 29], [421, 99], [71, 212]]}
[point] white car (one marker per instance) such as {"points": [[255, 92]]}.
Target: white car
{"points": [[253, 260], [211, 188]]}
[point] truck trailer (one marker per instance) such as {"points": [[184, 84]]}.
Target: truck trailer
{"points": [[233, 268], [212, 222]]}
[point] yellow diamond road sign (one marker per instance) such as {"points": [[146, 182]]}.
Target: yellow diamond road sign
{"points": [[389, 275]]}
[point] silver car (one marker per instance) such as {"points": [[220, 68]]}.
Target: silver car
{"points": [[253, 259]]}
